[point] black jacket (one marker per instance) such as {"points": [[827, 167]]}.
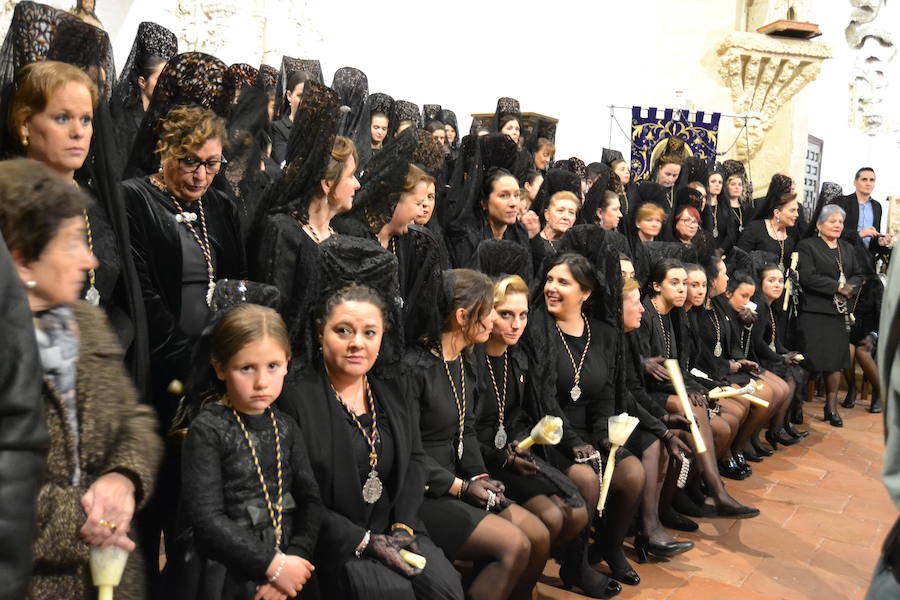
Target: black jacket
{"points": [[851, 206], [281, 132], [819, 273], [23, 433], [309, 399], [156, 248]]}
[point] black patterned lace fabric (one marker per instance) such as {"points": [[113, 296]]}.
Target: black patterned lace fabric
{"points": [[152, 39], [242, 75], [403, 110], [88, 48], [352, 86]]}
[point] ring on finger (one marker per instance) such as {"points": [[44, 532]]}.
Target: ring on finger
{"points": [[111, 526]]}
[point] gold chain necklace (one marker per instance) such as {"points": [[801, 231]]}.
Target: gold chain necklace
{"points": [[842, 281], [500, 438], [276, 512], [772, 319], [203, 242], [373, 487], [93, 294], [575, 392], [460, 403]]}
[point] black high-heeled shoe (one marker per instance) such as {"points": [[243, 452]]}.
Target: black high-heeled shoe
{"points": [[833, 419], [780, 437], [736, 512], [849, 399], [729, 468], [795, 433], [741, 462], [671, 519], [644, 548], [575, 572], [759, 448]]}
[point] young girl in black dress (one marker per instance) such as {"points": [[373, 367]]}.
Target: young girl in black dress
{"points": [[248, 494]]}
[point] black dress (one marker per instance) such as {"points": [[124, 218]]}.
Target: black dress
{"points": [[463, 239], [756, 237], [161, 249], [715, 330], [720, 221], [825, 341], [766, 347], [541, 250], [589, 415], [229, 539], [637, 402], [340, 462], [509, 371], [449, 521]]}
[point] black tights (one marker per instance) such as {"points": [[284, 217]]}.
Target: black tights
{"points": [[504, 550], [832, 385], [628, 482]]}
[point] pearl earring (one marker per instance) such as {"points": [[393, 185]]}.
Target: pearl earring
{"points": [[25, 141], [31, 284]]}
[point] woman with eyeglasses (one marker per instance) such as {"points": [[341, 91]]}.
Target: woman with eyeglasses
{"points": [[184, 238]]}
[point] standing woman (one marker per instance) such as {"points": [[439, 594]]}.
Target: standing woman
{"points": [[772, 230], [153, 46], [184, 237], [281, 129], [667, 171], [733, 199], [103, 448], [717, 217], [829, 277], [360, 428], [318, 183], [464, 509]]}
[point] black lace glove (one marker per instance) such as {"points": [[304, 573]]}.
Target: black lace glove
{"points": [[386, 550], [404, 539], [520, 461], [676, 421], [479, 492]]}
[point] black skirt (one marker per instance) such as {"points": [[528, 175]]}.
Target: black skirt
{"points": [[450, 522], [825, 342]]}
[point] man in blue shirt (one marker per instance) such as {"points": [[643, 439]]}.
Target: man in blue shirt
{"points": [[863, 220]]}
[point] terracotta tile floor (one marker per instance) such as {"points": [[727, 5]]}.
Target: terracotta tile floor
{"points": [[824, 517]]}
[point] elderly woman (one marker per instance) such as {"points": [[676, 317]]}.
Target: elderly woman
{"points": [[829, 277], [184, 238], [103, 447]]}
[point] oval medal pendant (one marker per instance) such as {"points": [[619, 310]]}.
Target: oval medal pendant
{"points": [[715, 232], [575, 393], [372, 489], [93, 296], [717, 351], [842, 281], [459, 450], [772, 346], [500, 438], [741, 229]]}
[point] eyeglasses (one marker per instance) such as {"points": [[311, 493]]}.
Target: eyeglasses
{"points": [[192, 165], [688, 221]]}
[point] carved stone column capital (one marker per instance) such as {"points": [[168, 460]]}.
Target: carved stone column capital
{"points": [[764, 73]]}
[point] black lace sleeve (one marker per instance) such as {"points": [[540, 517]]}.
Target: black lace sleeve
{"points": [[204, 504]]}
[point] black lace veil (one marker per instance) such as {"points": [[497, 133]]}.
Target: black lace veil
{"points": [[352, 86], [152, 39]]}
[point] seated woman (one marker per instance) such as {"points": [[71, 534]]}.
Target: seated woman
{"points": [[662, 338], [649, 220], [505, 416], [362, 435], [465, 510], [103, 446], [687, 224], [829, 277], [559, 216], [769, 342], [745, 322]]}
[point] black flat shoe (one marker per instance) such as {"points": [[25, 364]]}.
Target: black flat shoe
{"points": [[789, 428], [753, 457], [736, 512], [575, 572], [760, 449], [875, 407], [730, 469], [849, 399], [671, 519], [644, 548], [834, 419], [781, 437], [683, 503]]}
